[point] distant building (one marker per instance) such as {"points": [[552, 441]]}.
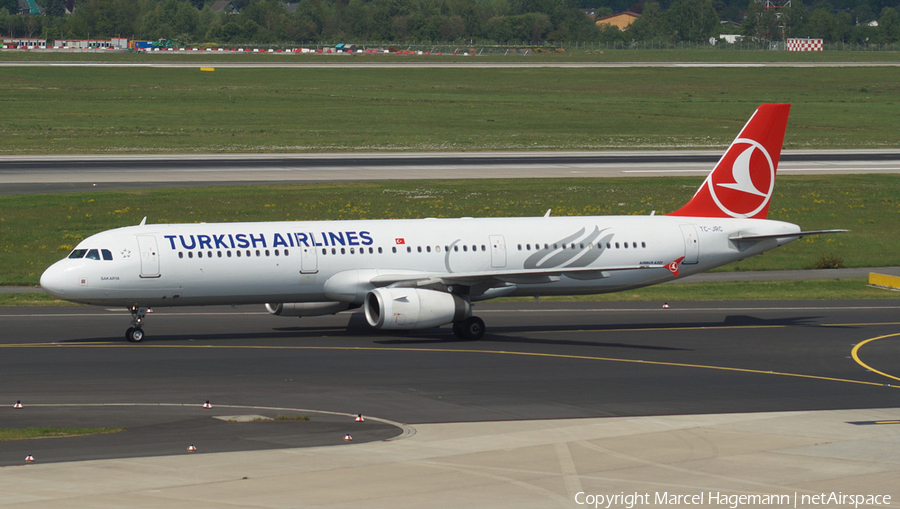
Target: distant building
{"points": [[224, 6], [620, 20], [29, 7], [731, 38]]}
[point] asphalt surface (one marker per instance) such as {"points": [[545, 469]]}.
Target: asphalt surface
{"points": [[58, 174], [70, 366]]}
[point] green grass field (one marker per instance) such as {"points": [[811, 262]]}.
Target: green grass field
{"points": [[36, 230], [7, 434], [165, 110]]}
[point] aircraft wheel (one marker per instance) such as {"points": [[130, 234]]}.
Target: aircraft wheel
{"points": [[470, 328], [134, 334]]}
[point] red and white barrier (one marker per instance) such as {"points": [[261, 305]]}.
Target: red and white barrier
{"points": [[804, 44]]}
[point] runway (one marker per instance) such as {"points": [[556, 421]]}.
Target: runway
{"points": [[70, 365], [50, 174]]}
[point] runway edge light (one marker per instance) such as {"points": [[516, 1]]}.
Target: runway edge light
{"points": [[191, 448], [29, 459], [207, 405], [348, 438], [359, 418], [18, 404]]}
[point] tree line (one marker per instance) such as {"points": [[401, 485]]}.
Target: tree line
{"points": [[450, 21]]}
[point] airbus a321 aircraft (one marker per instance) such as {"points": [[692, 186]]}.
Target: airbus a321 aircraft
{"points": [[421, 273]]}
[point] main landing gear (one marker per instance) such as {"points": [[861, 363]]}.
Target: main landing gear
{"points": [[135, 334], [470, 328]]}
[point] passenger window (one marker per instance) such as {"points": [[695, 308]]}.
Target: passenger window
{"points": [[107, 255], [93, 254]]}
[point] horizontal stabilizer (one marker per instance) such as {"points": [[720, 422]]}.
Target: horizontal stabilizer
{"points": [[751, 236]]}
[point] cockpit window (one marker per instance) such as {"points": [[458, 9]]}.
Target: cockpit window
{"points": [[93, 254], [107, 255], [78, 253]]}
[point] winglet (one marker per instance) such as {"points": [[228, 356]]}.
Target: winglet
{"points": [[742, 182]]}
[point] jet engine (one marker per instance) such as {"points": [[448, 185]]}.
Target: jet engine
{"points": [[413, 308], [307, 308]]}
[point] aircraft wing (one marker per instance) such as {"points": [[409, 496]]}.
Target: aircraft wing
{"points": [[497, 277]]}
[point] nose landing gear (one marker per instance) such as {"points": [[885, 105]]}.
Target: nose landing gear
{"points": [[135, 334]]}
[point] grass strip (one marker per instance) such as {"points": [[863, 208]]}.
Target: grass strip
{"points": [[8, 434], [814, 289], [73, 110]]}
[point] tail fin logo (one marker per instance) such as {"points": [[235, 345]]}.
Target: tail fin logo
{"points": [[747, 188], [673, 266]]}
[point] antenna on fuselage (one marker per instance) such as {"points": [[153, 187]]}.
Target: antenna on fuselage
{"points": [[143, 221], [548, 213]]}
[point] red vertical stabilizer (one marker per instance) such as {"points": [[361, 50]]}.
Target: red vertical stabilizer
{"points": [[742, 182]]}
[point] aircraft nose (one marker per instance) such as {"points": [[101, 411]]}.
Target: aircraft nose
{"points": [[53, 281]]}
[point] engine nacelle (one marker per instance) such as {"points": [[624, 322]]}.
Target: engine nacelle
{"points": [[307, 308], [412, 308]]}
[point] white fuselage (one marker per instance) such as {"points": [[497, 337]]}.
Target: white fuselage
{"points": [[326, 261]]}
